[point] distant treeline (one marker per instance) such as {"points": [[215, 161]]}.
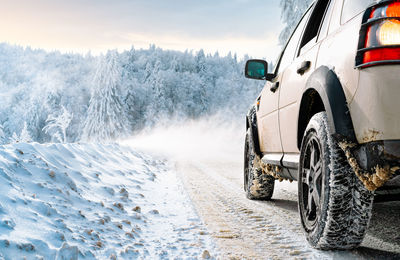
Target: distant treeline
{"points": [[54, 97]]}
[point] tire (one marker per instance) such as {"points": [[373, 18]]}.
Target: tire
{"points": [[258, 186], [334, 206]]}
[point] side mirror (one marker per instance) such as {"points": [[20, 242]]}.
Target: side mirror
{"points": [[257, 69]]}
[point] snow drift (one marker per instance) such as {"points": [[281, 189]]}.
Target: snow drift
{"points": [[89, 201]]}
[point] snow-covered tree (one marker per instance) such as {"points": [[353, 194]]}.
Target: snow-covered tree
{"points": [[106, 118], [57, 124], [291, 13], [115, 94], [23, 137], [2, 135]]}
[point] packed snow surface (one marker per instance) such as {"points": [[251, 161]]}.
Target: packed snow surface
{"points": [[69, 201]]}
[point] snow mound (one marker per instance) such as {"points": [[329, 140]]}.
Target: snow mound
{"points": [[70, 201]]}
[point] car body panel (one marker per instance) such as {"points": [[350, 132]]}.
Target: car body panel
{"points": [[292, 87], [334, 23], [376, 104], [339, 50], [268, 121]]}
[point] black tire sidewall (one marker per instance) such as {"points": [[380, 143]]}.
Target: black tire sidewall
{"points": [[246, 169], [317, 129]]}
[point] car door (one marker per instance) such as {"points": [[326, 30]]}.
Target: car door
{"points": [[297, 73], [268, 113], [267, 118]]}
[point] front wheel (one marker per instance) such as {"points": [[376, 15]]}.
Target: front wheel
{"points": [[335, 207], [258, 185]]}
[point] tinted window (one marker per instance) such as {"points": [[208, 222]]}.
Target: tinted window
{"points": [[291, 47], [351, 8], [315, 22]]}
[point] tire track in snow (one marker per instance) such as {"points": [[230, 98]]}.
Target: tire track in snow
{"points": [[245, 229]]}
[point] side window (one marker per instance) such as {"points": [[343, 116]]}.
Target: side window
{"points": [[314, 23], [351, 8], [291, 47], [325, 24]]}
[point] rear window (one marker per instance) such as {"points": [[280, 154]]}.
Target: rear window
{"points": [[351, 8]]}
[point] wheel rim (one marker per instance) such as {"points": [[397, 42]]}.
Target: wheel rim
{"points": [[312, 180]]}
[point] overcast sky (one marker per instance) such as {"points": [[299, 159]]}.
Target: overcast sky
{"points": [[240, 26]]}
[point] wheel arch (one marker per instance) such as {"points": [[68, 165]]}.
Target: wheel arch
{"points": [[324, 92]]}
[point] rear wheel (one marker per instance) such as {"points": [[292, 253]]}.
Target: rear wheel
{"points": [[258, 185], [335, 207]]}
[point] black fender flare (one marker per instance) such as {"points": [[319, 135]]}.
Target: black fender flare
{"points": [[326, 83], [251, 123]]}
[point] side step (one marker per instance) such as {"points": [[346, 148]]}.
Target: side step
{"points": [[289, 163]]}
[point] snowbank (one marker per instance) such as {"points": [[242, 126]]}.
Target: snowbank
{"points": [[64, 201]]}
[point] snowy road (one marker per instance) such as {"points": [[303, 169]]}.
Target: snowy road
{"points": [[254, 229], [209, 162]]}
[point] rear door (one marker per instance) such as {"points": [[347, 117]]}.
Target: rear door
{"points": [[296, 74]]}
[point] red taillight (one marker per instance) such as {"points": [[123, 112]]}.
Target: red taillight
{"points": [[393, 10], [382, 35], [382, 54]]}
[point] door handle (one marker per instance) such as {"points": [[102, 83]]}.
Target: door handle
{"points": [[274, 87], [303, 67]]}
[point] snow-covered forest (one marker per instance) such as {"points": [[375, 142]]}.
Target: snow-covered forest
{"points": [[54, 97]]}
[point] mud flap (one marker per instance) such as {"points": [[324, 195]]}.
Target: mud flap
{"points": [[371, 180]]}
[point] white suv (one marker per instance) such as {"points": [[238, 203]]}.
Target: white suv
{"points": [[329, 117]]}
